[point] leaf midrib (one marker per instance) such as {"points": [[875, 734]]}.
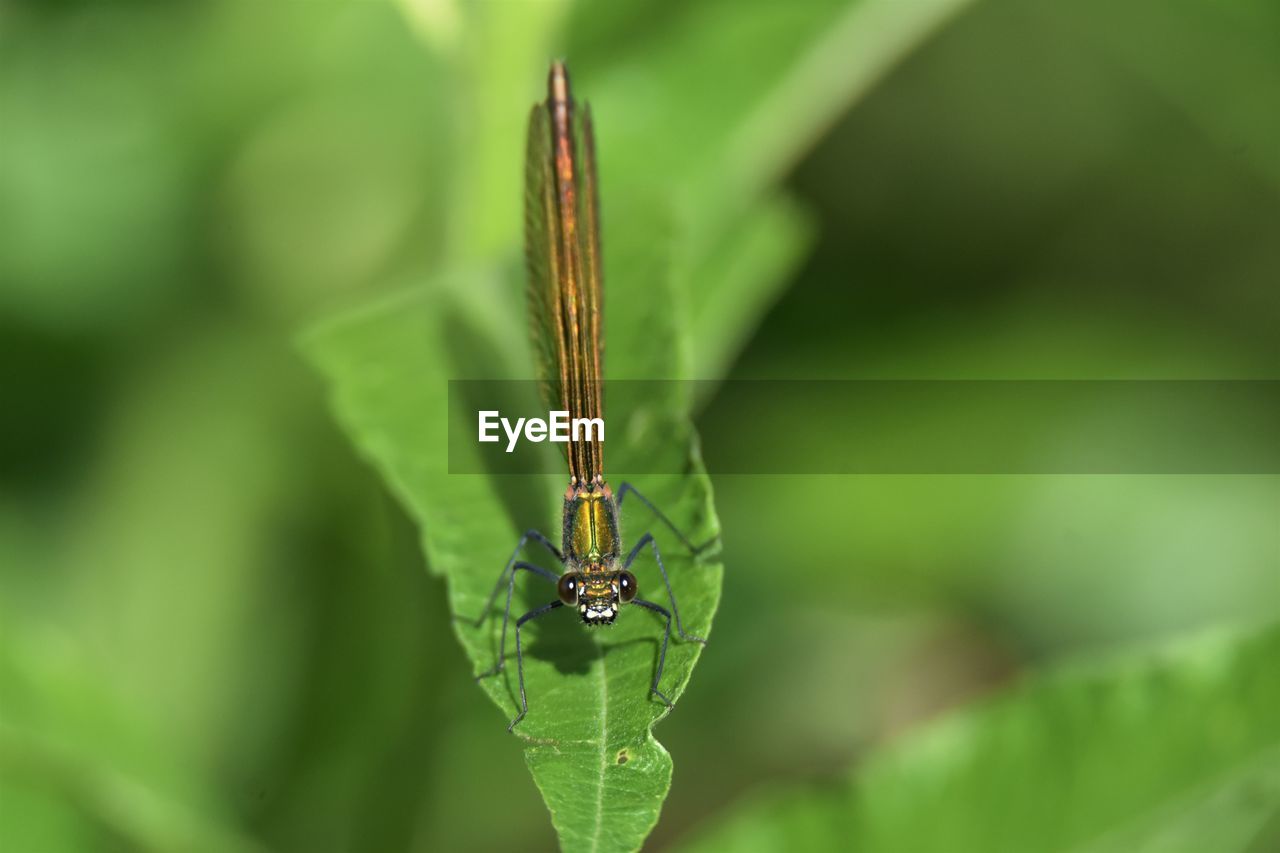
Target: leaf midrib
{"points": [[604, 748]]}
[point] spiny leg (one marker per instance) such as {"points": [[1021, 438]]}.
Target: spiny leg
{"points": [[693, 549], [648, 539], [506, 614], [488, 605], [662, 655], [532, 614]]}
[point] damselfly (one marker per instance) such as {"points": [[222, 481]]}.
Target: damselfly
{"points": [[562, 242]]}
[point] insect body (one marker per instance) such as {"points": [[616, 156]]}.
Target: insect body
{"points": [[592, 581], [562, 240]]}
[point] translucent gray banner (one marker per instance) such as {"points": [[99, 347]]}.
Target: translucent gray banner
{"points": [[890, 427]]}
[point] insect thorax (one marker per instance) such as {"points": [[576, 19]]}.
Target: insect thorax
{"points": [[590, 541]]}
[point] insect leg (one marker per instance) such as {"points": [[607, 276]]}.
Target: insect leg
{"points": [[488, 605], [626, 488], [532, 614], [648, 539], [506, 614], [662, 655]]}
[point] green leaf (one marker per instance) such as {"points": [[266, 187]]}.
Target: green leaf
{"points": [[1216, 63], [1179, 751], [588, 735], [676, 103], [501, 66], [740, 126], [740, 276], [80, 767]]}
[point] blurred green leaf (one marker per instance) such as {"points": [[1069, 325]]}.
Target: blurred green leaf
{"points": [[588, 735], [500, 64], [1211, 61], [738, 278], [1177, 751], [87, 166], [80, 771], [732, 128], [675, 105]]}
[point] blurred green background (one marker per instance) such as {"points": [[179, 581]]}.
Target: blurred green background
{"points": [[216, 628]]}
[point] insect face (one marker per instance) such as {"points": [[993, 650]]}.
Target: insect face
{"points": [[601, 592]]}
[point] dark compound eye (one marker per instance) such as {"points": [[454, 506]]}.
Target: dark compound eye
{"points": [[567, 588], [626, 586]]}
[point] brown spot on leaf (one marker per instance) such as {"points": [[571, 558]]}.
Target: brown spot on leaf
{"points": [[623, 756]]}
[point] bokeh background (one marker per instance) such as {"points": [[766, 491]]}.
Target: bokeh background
{"points": [[216, 628]]}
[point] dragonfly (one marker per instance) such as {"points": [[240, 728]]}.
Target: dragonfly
{"points": [[563, 267]]}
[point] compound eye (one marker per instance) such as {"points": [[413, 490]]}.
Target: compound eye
{"points": [[567, 589], [626, 586]]}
